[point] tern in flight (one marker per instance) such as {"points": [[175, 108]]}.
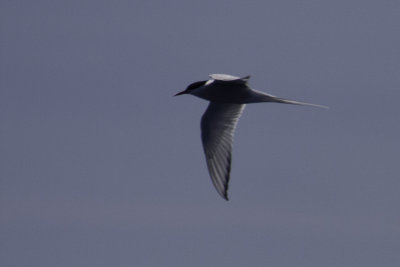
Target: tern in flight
{"points": [[228, 95]]}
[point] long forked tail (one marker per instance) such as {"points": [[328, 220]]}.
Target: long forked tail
{"points": [[287, 101], [258, 97]]}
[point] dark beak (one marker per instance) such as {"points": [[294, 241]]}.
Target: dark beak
{"points": [[180, 93]]}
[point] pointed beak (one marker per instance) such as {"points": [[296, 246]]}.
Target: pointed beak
{"points": [[180, 93]]}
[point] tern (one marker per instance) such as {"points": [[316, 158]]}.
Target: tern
{"points": [[228, 95]]}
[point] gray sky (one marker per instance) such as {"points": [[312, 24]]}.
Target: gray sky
{"points": [[101, 166]]}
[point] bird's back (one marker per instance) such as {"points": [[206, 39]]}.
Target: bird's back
{"points": [[221, 91]]}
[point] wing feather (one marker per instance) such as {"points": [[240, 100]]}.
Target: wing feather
{"points": [[217, 129], [229, 78]]}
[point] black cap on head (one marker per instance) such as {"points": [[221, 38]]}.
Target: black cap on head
{"points": [[191, 87], [195, 85]]}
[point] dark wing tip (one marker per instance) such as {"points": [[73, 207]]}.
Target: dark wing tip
{"points": [[226, 196], [224, 193], [228, 176]]}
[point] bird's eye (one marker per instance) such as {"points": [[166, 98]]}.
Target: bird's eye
{"points": [[195, 85]]}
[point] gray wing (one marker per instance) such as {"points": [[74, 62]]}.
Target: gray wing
{"points": [[229, 78], [217, 128]]}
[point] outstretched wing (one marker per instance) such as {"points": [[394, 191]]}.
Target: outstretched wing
{"points": [[217, 128], [229, 78]]}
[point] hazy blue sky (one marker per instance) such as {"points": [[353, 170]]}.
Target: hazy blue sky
{"points": [[101, 166]]}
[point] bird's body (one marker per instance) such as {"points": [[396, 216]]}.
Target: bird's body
{"points": [[228, 96]]}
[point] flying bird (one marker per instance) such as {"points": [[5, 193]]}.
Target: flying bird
{"points": [[228, 95]]}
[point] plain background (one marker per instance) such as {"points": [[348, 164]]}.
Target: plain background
{"points": [[101, 166]]}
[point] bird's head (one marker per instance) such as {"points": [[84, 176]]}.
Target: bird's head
{"points": [[192, 87]]}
